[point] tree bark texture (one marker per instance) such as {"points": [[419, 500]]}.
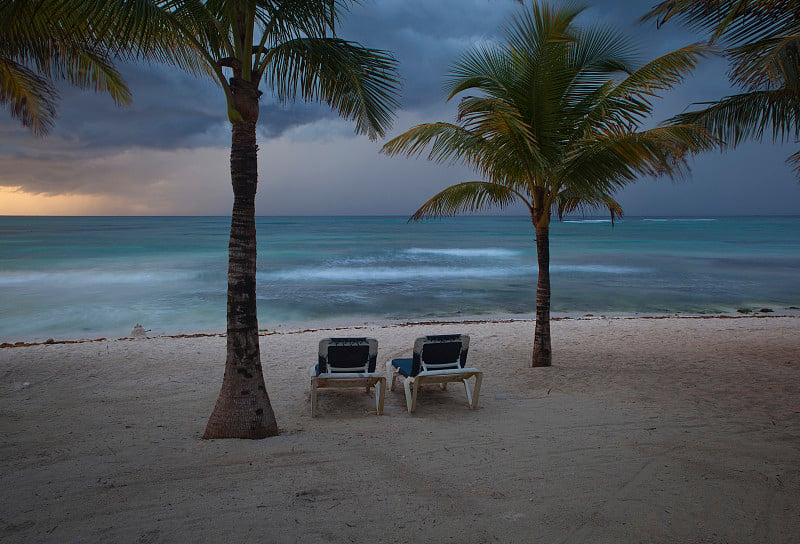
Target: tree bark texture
{"points": [[542, 351], [243, 409]]}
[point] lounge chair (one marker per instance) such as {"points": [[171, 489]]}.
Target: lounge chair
{"points": [[347, 362], [437, 359]]}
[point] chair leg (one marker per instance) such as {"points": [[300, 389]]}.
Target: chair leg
{"points": [[476, 391], [390, 375], [380, 394], [469, 395], [411, 394], [313, 394]]}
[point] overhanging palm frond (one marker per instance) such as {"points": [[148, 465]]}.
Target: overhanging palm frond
{"points": [[794, 162], [737, 21], [749, 115], [763, 45], [30, 97], [469, 196], [79, 43], [767, 64], [357, 82], [90, 69]]}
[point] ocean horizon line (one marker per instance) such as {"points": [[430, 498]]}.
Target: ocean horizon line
{"points": [[407, 217]]}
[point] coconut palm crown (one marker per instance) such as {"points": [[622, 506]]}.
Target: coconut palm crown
{"points": [[761, 40], [550, 117]]}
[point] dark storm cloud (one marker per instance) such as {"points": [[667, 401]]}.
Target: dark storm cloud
{"points": [[173, 140], [172, 109], [425, 36]]}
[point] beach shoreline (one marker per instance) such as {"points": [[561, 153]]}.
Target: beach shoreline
{"points": [[662, 430], [367, 322]]}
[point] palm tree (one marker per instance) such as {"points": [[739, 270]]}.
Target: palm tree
{"points": [[761, 39], [554, 124], [291, 46], [44, 41]]}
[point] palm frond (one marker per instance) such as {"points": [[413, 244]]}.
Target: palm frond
{"points": [[570, 202], [794, 162], [450, 143], [291, 19], [749, 115], [734, 21], [469, 196], [767, 64], [79, 42], [609, 161], [358, 82], [30, 97], [486, 68], [93, 70]]}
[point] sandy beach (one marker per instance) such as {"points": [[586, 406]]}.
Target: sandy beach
{"points": [[644, 430]]}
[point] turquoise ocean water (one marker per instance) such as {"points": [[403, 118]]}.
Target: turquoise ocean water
{"points": [[84, 277]]}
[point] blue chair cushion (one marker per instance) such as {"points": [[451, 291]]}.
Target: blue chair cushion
{"points": [[405, 366]]}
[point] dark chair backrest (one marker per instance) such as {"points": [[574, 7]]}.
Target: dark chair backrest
{"points": [[438, 352], [347, 355]]}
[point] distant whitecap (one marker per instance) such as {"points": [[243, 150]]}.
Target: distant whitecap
{"points": [[678, 220], [470, 253], [595, 269]]}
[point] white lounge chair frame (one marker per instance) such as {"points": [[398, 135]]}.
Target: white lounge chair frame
{"points": [[350, 376], [441, 373]]}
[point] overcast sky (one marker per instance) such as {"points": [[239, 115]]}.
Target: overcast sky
{"points": [[167, 153]]}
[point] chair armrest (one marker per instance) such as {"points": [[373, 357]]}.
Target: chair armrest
{"points": [[449, 371], [348, 375]]}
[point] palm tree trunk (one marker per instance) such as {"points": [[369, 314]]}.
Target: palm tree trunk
{"points": [[542, 352], [243, 409]]}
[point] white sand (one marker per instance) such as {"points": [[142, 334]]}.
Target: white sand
{"points": [[644, 430]]}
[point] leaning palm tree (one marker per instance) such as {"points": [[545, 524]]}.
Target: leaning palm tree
{"points": [[291, 47], [78, 41], [554, 123], [761, 39]]}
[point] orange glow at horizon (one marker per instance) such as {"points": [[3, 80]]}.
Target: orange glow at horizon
{"points": [[15, 201]]}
